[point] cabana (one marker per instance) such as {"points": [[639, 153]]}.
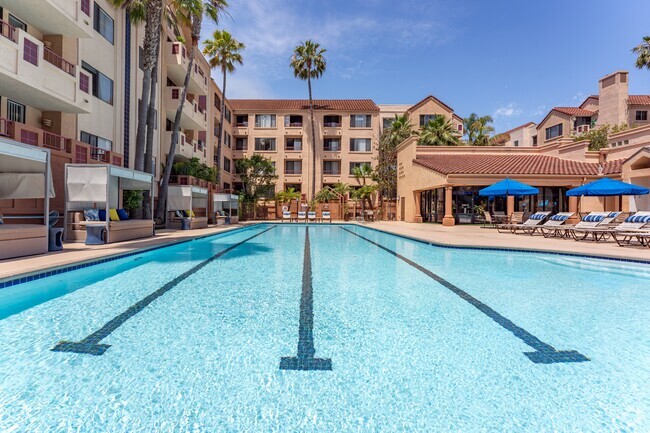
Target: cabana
{"points": [[25, 173], [187, 207], [225, 208], [99, 187]]}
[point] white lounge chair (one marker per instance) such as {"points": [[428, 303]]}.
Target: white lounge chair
{"points": [[633, 223], [535, 219], [302, 216], [311, 215], [588, 221], [326, 216], [553, 222], [286, 216]]}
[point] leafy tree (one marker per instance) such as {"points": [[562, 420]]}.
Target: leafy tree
{"points": [[326, 194], [597, 137], [224, 52], [195, 168], [438, 132], [478, 129], [288, 195], [364, 193], [257, 174], [386, 171], [308, 63], [643, 53]]}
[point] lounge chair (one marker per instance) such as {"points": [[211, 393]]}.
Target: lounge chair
{"points": [[311, 215], [487, 220], [302, 216], [553, 222], [515, 218], [590, 220], [633, 223], [326, 216], [625, 238], [535, 219], [286, 216]]}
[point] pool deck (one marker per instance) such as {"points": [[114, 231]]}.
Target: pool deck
{"points": [[467, 236]]}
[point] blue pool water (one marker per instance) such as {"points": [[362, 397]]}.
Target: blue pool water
{"points": [[229, 333]]}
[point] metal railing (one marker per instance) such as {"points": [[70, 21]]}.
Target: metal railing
{"points": [[6, 126], [8, 31], [54, 141], [58, 61]]}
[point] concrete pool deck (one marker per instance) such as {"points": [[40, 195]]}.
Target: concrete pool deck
{"points": [[470, 236]]}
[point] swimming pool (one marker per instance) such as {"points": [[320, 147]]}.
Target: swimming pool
{"points": [[328, 328]]}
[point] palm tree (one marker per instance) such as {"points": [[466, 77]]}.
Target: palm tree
{"points": [[643, 52], [361, 174], [224, 53], [386, 170], [478, 129], [187, 12], [438, 132], [308, 63]]}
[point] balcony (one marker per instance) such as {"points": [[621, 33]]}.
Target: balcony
{"points": [[71, 18], [33, 74], [193, 117], [186, 146], [74, 151], [177, 59]]}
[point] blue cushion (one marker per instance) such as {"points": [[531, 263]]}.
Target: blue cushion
{"points": [[537, 216], [185, 214], [560, 217], [613, 214], [91, 214], [101, 215], [638, 219], [593, 218], [122, 214]]}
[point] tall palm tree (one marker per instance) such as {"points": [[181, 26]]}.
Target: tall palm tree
{"points": [[188, 12], [224, 52], [386, 170], [478, 129], [643, 52], [308, 63], [438, 132]]}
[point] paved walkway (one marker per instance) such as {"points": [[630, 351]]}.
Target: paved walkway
{"points": [[80, 252], [475, 236]]}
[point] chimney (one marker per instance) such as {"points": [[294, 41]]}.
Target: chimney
{"points": [[612, 100]]}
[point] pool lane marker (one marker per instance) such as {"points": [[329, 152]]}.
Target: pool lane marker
{"points": [[90, 345], [544, 353], [306, 351]]}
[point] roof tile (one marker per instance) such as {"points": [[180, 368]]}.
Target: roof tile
{"points": [[303, 104], [574, 111], [638, 99]]}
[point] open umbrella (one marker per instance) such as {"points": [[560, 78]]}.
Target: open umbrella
{"points": [[508, 187], [607, 187]]}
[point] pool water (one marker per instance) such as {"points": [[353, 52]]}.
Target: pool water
{"points": [[328, 328]]}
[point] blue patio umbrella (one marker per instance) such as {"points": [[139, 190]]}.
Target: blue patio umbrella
{"points": [[607, 187], [508, 187]]}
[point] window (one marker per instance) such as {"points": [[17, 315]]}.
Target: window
{"points": [[241, 120], [226, 165], [426, 118], [226, 186], [15, 111], [554, 131], [354, 165], [292, 167], [534, 140], [265, 144], [360, 120], [237, 186], [360, 145], [265, 120], [217, 101], [100, 145], [332, 167], [102, 85], [228, 115], [241, 143], [30, 52], [291, 121], [293, 144], [387, 122], [17, 24], [516, 143], [226, 140], [332, 121], [103, 23], [332, 145], [641, 115]]}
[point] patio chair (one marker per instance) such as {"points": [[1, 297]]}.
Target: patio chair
{"points": [[302, 216], [326, 216], [625, 238], [311, 215], [534, 220], [286, 216], [488, 222], [589, 220], [633, 223], [553, 222]]}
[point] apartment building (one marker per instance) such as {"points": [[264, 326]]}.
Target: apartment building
{"points": [[522, 136]]}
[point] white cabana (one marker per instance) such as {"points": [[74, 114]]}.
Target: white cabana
{"points": [[25, 173], [227, 204], [99, 186], [185, 198]]}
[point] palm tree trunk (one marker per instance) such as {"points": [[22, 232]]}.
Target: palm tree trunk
{"points": [[221, 128], [313, 142], [151, 122]]}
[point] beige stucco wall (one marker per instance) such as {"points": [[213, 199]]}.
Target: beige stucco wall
{"points": [[613, 93], [553, 119]]}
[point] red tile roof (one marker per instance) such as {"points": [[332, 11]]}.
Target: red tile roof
{"points": [[638, 99], [427, 99], [574, 111], [303, 104], [512, 164], [518, 127]]}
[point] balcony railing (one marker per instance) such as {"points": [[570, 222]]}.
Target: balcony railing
{"points": [[6, 127], [58, 61], [293, 124], [8, 31], [332, 124], [55, 141], [98, 154], [293, 172], [241, 124], [331, 172]]}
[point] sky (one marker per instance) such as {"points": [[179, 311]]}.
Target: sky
{"points": [[513, 60]]}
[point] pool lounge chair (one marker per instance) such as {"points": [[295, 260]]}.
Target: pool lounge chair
{"points": [[286, 216], [326, 216], [633, 223], [535, 219], [625, 238], [564, 231], [515, 218], [311, 215], [555, 221], [302, 216]]}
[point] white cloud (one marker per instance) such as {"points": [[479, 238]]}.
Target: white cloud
{"points": [[509, 110]]}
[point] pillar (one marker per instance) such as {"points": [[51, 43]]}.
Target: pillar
{"points": [[573, 207], [510, 205], [417, 215], [448, 219]]}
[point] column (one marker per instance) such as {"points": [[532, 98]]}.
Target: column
{"points": [[573, 207], [510, 205], [417, 216], [448, 219]]}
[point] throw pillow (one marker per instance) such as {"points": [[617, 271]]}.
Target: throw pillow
{"points": [[122, 214], [91, 214], [112, 213]]}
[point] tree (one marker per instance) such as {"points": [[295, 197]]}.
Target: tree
{"points": [[438, 132], [224, 52], [643, 53], [361, 174], [326, 194], [386, 170], [257, 174], [288, 195], [187, 12], [478, 129], [308, 64]]}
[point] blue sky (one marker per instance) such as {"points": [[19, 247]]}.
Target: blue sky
{"points": [[512, 59]]}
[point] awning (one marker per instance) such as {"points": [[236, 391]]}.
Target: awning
{"points": [[90, 182], [607, 187], [22, 171], [181, 197], [508, 187]]}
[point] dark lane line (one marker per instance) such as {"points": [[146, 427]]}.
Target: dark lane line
{"points": [[544, 352], [306, 350], [90, 346]]}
